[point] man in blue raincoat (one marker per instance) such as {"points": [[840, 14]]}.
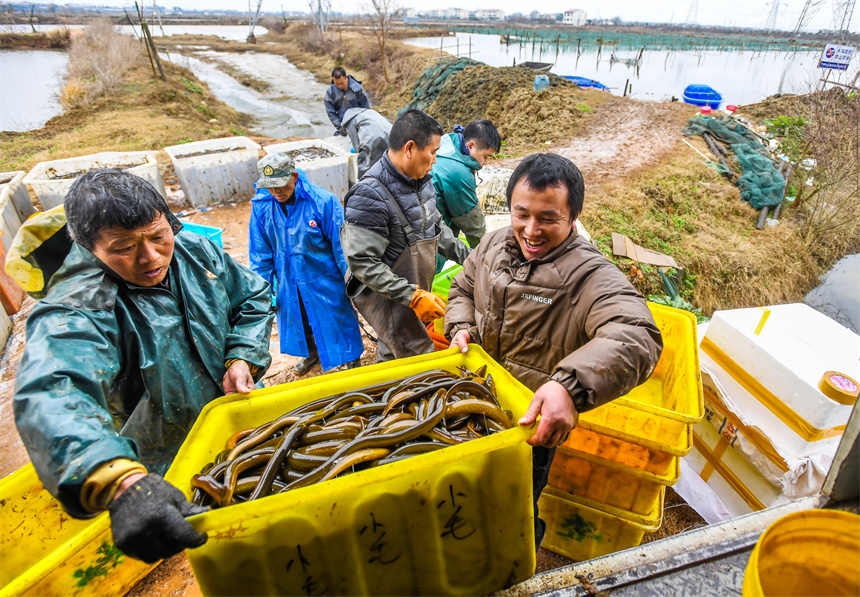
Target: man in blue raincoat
{"points": [[294, 240], [139, 326]]}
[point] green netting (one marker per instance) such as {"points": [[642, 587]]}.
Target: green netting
{"points": [[761, 184], [428, 85], [728, 130]]}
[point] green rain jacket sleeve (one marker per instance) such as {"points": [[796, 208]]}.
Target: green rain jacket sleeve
{"points": [[60, 405], [251, 313], [363, 250]]}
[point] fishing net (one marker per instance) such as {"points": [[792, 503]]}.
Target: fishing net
{"points": [[428, 85], [761, 183]]}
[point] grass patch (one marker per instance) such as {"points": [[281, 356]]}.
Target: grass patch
{"points": [[688, 211]]}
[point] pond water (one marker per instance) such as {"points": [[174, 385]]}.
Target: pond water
{"points": [[838, 296], [30, 84], [742, 77], [292, 106]]}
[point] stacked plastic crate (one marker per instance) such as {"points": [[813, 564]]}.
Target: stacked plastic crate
{"points": [[608, 481]]}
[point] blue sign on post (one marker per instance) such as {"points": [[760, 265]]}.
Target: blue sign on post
{"points": [[836, 57]]}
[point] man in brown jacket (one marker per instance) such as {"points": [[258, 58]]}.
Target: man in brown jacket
{"points": [[547, 305]]}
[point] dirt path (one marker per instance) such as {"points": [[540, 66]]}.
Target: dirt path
{"points": [[624, 135]]}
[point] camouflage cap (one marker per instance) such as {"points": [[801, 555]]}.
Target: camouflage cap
{"points": [[275, 171]]}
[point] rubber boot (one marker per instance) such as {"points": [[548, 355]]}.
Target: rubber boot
{"points": [[306, 365]]}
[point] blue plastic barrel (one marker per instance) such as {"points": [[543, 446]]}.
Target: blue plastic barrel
{"points": [[541, 82]]}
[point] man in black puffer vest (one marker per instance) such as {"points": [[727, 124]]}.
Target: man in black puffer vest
{"points": [[391, 235]]}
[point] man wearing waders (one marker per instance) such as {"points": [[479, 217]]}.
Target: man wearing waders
{"points": [[391, 235]]}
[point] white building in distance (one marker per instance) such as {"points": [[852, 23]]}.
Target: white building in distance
{"points": [[492, 14], [575, 17]]}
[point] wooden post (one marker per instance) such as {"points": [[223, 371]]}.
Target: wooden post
{"points": [[762, 217], [715, 149], [145, 41], [145, 28], [133, 30], [626, 83]]}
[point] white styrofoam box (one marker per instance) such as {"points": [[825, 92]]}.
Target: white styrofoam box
{"points": [[794, 348], [740, 487], [15, 204], [225, 174], [336, 173], [51, 191]]}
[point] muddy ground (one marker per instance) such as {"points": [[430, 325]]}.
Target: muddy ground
{"points": [[620, 137]]}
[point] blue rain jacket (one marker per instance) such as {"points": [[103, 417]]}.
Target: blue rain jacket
{"points": [[302, 251]]}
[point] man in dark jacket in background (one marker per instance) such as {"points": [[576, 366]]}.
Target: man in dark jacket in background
{"points": [[391, 235], [343, 94], [552, 309], [141, 326]]}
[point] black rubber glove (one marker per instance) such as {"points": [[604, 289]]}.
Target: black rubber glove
{"points": [[148, 520]]}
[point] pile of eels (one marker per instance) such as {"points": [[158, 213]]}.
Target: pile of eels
{"points": [[353, 431]]}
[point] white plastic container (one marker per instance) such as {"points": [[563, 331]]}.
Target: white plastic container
{"points": [[225, 174], [15, 204], [770, 361], [46, 183], [336, 173]]}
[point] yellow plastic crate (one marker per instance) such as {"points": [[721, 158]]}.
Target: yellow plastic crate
{"points": [[581, 529], [658, 414], [609, 482], [455, 521], [44, 551], [626, 453]]}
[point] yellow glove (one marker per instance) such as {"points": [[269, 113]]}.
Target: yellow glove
{"points": [[427, 306]]}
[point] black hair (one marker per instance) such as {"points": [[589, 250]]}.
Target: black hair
{"points": [[338, 72], [413, 125], [484, 133], [102, 199], [542, 170]]}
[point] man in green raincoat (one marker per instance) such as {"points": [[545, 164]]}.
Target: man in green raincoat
{"points": [[461, 154], [141, 325]]}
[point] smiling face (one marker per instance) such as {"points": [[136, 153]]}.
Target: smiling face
{"points": [[140, 255], [541, 220]]}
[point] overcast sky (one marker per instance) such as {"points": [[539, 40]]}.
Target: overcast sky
{"points": [[732, 13]]}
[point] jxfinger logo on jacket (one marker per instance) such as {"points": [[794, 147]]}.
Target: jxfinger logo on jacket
{"points": [[537, 299]]}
